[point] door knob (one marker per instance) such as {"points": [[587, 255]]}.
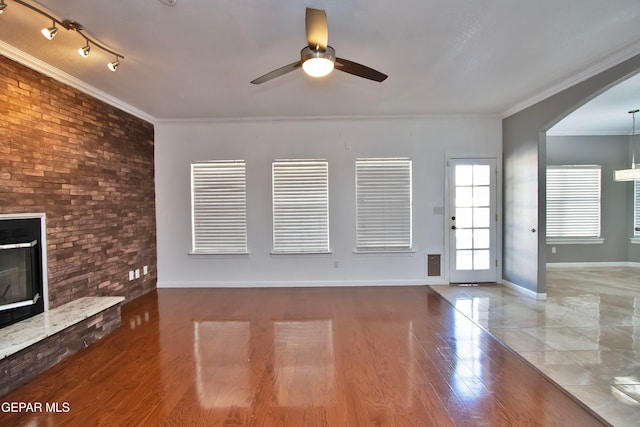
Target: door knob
{"points": [[453, 227]]}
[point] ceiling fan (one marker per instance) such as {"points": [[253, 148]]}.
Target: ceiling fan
{"points": [[318, 58]]}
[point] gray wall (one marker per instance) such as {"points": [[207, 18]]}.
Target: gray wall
{"points": [[524, 143], [611, 152]]}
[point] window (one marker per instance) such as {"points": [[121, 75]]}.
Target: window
{"points": [[383, 204], [573, 202], [219, 207], [300, 206], [636, 210]]}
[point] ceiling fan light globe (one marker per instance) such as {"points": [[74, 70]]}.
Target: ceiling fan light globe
{"points": [[317, 67], [317, 63]]}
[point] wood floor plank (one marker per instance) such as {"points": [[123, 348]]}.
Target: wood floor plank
{"points": [[348, 357]]}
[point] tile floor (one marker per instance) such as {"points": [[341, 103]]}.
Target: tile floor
{"points": [[585, 336]]}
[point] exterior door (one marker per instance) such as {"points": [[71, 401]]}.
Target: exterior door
{"points": [[472, 221]]}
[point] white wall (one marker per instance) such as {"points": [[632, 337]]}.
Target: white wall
{"points": [[426, 140]]}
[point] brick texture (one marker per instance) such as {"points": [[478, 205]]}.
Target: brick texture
{"points": [[89, 167], [28, 363]]}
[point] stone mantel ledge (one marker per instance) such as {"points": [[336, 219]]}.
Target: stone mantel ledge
{"points": [[21, 335]]}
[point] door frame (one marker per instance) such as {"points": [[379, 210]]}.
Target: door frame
{"points": [[470, 155]]}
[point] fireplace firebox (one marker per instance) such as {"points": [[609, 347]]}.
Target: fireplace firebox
{"points": [[21, 284]]}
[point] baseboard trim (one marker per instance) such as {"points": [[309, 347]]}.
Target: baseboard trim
{"points": [[524, 291], [292, 284], [559, 265]]}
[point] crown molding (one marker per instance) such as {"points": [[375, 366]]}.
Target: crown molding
{"points": [[587, 132], [42, 67], [352, 117], [611, 61]]}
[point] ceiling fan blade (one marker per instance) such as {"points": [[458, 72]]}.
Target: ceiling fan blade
{"points": [[277, 73], [317, 30], [359, 70]]}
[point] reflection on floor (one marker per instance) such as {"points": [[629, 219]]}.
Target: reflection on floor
{"points": [[585, 336]]}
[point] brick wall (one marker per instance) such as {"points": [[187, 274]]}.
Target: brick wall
{"points": [[89, 167]]}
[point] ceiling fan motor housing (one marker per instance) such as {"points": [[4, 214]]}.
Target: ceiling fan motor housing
{"points": [[307, 53]]}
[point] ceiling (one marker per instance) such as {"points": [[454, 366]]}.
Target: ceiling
{"points": [[607, 114], [196, 59]]}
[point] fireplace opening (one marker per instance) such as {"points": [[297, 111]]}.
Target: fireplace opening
{"points": [[21, 285]]}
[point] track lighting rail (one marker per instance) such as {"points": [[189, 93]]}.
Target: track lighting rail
{"points": [[71, 25]]}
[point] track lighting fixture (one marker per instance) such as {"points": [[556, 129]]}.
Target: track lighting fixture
{"points": [[50, 33], [69, 25], [113, 66], [84, 51]]}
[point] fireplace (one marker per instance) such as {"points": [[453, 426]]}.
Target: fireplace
{"points": [[21, 275]]}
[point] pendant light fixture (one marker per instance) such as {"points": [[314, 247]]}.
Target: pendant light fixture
{"points": [[632, 174]]}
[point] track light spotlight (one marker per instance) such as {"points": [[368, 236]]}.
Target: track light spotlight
{"points": [[2, 5], [50, 33], [113, 66], [84, 51]]}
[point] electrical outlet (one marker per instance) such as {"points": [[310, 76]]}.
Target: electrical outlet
{"points": [[553, 249], [137, 273], [131, 275], [145, 270]]}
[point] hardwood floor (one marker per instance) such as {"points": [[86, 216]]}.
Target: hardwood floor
{"points": [[397, 356]]}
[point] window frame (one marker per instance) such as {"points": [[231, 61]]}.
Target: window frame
{"points": [[287, 218], [635, 239], [228, 177], [374, 233], [580, 197]]}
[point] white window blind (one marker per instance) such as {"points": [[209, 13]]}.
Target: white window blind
{"points": [[636, 211], [300, 206], [219, 207], [573, 201], [383, 204]]}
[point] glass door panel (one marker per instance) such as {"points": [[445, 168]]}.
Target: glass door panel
{"points": [[473, 220]]}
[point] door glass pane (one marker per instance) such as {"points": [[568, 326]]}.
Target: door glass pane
{"points": [[481, 174], [481, 239], [481, 259], [464, 196], [464, 175], [464, 260], [481, 217], [464, 239], [464, 217], [481, 196]]}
